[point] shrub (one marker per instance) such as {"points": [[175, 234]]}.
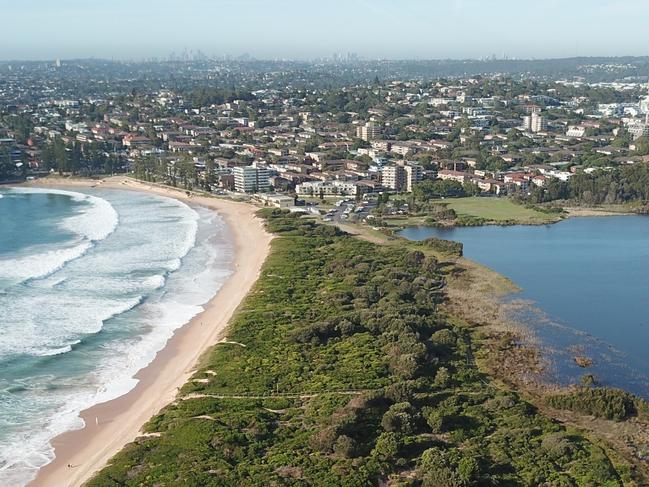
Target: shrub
{"points": [[612, 404], [387, 446], [442, 377], [345, 446], [455, 249], [401, 417], [443, 339], [557, 445]]}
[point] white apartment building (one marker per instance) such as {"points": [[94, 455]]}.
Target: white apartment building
{"points": [[66, 103], [450, 175], [414, 175], [251, 179], [436, 102], [644, 105], [392, 177], [326, 188], [610, 109], [76, 127], [402, 177], [369, 131], [576, 131], [639, 129], [535, 123], [539, 123]]}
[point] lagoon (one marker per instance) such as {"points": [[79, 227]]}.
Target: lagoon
{"points": [[589, 279]]}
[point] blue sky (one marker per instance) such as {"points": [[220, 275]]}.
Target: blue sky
{"points": [[136, 29]]}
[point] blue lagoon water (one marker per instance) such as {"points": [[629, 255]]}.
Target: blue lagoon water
{"points": [[92, 285], [589, 281]]}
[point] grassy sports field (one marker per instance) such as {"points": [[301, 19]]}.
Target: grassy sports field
{"points": [[499, 210]]}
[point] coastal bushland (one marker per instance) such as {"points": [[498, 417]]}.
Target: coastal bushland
{"points": [[612, 404], [341, 369]]}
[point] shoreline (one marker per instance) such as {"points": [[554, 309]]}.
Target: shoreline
{"points": [[590, 212], [482, 296], [111, 425], [569, 214], [514, 357]]}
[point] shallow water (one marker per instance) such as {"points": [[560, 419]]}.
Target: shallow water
{"points": [[92, 285], [589, 281]]}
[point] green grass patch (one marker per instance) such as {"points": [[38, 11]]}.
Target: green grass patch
{"points": [[498, 210]]}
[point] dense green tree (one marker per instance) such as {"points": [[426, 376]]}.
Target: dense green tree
{"points": [[433, 189]]}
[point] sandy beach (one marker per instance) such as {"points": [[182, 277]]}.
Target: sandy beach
{"points": [[112, 425]]}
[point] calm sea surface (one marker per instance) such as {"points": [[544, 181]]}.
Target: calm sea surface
{"points": [[589, 280]]}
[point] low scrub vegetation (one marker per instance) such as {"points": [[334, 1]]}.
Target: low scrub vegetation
{"points": [[613, 404], [350, 376], [449, 247]]}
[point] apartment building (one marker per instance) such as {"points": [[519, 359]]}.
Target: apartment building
{"points": [[251, 179], [402, 177], [326, 188], [414, 175], [535, 123], [369, 131], [639, 129]]}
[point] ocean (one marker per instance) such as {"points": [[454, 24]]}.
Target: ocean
{"points": [[587, 282], [92, 285]]}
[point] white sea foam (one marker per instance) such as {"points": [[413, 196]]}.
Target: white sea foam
{"points": [[94, 224], [155, 265], [91, 225], [56, 351], [55, 325], [40, 265], [154, 282]]}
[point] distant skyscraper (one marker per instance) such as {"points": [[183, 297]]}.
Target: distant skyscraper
{"points": [[414, 174], [392, 177], [57, 63]]}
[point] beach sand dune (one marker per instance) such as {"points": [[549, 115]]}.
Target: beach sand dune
{"points": [[112, 425]]}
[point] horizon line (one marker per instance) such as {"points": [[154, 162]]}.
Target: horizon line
{"points": [[249, 58]]}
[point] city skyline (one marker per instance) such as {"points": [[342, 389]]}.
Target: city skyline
{"points": [[288, 29]]}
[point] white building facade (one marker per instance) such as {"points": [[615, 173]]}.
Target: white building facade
{"points": [[251, 179]]}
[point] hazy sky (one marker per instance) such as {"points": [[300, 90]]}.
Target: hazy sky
{"points": [[136, 29]]}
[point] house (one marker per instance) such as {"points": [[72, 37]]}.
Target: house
{"points": [[450, 175], [276, 200], [540, 180], [131, 140], [576, 131], [521, 180], [490, 185]]}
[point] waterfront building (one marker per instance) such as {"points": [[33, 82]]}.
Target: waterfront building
{"points": [[326, 188], [251, 179]]}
